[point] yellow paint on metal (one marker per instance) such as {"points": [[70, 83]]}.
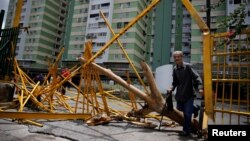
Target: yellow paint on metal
{"points": [[231, 75], [26, 115], [131, 95], [208, 93], [231, 80], [233, 112], [32, 122], [205, 121], [91, 82], [18, 13], [30, 94]]}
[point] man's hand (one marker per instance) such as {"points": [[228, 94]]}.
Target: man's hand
{"points": [[169, 90], [201, 92]]}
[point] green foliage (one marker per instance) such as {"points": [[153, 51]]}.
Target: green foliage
{"points": [[235, 22], [236, 19]]}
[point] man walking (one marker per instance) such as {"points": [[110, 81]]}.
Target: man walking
{"points": [[185, 80]]}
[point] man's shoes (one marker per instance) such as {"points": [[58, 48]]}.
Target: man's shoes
{"points": [[184, 134], [196, 111]]}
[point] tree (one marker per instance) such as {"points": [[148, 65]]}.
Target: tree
{"points": [[154, 101]]}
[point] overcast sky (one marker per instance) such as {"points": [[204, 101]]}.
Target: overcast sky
{"points": [[4, 6]]}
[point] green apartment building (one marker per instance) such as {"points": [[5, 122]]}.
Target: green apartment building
{"points": [[185, 35], [172, 32], [135, 39], [46, 20], [71, 23]]}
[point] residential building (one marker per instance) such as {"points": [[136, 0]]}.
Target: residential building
{"points": [[134, 39], [76, 32], [46, 21], [71, 23], [172, 32], [196, 40]]}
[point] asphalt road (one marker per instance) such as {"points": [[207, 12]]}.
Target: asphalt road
{"points": [[77, 130]]}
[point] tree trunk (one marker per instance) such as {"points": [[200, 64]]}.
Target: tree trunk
{"points": [[155, 101]]}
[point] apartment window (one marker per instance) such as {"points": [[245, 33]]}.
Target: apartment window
{"points": [[94, 15], [83, 38], [94, 25], [84, 19], [116, 56], [120, 15], [213, 19], [119, 25], [127, 14], [100, 44], [121, 5], [105, 4], [86, 10], [106, 15], [101, 24], [122, 56], [127, 5], [102, 34], [125, 23], [79, 20], [237, 1], [83, 1], [95, 7], [91, 36], [124, 45]]}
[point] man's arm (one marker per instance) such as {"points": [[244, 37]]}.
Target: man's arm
{"points": [[174, 83], [197, 80]]}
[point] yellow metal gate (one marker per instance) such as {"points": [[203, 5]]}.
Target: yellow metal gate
{"points": [[231, 77], [226, 66]]}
